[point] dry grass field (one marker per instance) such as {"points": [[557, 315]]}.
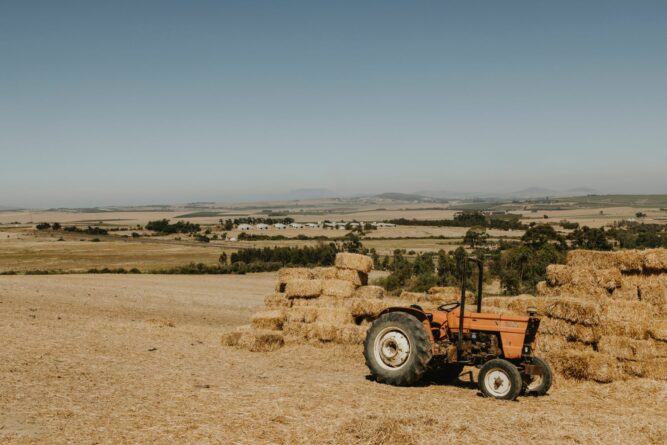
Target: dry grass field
{"points": [[137, 359]]}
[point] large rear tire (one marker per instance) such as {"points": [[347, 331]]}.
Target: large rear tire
{"points": [[500, 379], [397, 349], [539, 385]]}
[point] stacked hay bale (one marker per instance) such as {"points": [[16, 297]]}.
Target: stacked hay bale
{"points": [[322, 304], [604, 314], [326, 305]]}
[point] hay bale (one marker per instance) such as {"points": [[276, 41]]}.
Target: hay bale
{"points": [[590, 293], [353, 276], [232, 338], [655, 260], [292, 273], [569, 331], [369, 292], [304, 314], [338, 288], [653, 289], [335, 315], [366, 308], [361, 263], [261, 340], [624, 260], [586, 365], [300, 288], [573, 310], [657, 330], [324, 273], [655, 369], [627, 291], [277, 300], [559, 274], [547, 344], [627, 318], [269, 320], [624, 348]]}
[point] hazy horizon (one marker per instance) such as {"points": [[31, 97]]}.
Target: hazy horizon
{"points": [[128, 103]]}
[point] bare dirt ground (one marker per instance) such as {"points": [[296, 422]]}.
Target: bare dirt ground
{"points": [[137, 359]]}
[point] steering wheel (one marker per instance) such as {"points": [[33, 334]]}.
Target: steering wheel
{"points": [[448, 307]]}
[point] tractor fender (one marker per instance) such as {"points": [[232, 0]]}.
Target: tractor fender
{"points": [[417, 313]]}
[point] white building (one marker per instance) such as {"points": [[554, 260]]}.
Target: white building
{"points": [[296, 226], [383, 225], [262, 226], [279, 226], [312, 226], [244, 227]]}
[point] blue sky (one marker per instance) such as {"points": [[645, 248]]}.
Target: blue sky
{"points": [[131, 102]]}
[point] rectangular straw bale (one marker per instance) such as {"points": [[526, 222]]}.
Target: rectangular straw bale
{"points": [[277, 300], [322, 300], [628, 290], [366, 308], [331, 333], [624, 260], [656, 369], [573, 310], [499, 302], [261, 340], [361, 263], [559, 274], [369, 292], [232, 338], [324, 273], [521, 303], [292, 273], [624, 348], [569, 331], [270, 320], [626, 318], [302, 314], [655, 260], [586, 365], [658, 329], [338, 288], [653, 289], [554, 343], [335, 315], [353, 276], [299, 288]]}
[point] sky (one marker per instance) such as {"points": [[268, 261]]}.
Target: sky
{"points": [[144, 102]]}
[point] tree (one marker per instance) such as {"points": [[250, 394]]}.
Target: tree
{"points": [[541, 234], [223, 258], [588, 238], [43, 226], [475, 236]]}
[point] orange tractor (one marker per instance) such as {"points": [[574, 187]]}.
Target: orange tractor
{"points": [[403, 343]]}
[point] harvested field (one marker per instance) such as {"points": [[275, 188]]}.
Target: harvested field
{"points": [[83, 362]]}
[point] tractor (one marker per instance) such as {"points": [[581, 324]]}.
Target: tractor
{"points": [[404, 343]]}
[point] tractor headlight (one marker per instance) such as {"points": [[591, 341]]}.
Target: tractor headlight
{"points": [[526, 349]]}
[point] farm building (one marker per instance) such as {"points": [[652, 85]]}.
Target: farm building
{"points": [[279, 226], [262, 226], [244, 227]]}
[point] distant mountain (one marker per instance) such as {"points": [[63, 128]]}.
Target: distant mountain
{"points": [[527, 193], [309, 193], [9, 209]]}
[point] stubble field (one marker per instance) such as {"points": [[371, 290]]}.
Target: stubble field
{"points": [[137, 359]]}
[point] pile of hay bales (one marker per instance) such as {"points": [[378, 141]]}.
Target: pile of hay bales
{"points": [[604, 314], [326, 305]]}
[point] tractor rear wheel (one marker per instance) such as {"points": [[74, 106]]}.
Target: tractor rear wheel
{"points": [[500, 379], [539, 385], [397, 349]]}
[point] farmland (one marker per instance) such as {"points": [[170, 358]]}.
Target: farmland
{"points": [[137, 359]]}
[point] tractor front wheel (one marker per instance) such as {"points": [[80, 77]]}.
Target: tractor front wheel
{"points": [[539, 385], [500, 379], [397, 349]]}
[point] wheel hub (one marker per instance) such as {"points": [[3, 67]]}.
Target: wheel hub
{"points": [[497, 382], [392, 348]]}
